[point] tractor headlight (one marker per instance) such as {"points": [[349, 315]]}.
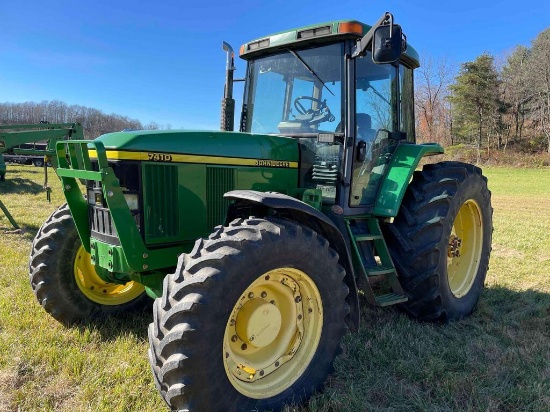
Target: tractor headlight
{"points": [[132, 201]]}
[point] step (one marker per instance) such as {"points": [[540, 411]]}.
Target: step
{"points": [[379, 270], [390, 299], [368, 236]]}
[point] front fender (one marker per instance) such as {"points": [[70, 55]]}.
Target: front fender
{"points": [[261, 203], [400, 170]]}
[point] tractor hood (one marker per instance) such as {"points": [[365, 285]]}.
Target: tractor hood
{"points": [[192, 146]]}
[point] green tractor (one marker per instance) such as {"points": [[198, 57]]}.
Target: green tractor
{"points": [[312, 206]]}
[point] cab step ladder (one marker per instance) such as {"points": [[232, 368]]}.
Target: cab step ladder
{"points": [[372, 256]]}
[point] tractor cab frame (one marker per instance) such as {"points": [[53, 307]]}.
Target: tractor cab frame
{"points": [[349, 105]]}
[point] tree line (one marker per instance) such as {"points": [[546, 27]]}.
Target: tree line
{"points": [[488, 105], [94, 121]]}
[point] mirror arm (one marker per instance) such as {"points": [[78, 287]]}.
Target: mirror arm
{"points": [[364, 43]]}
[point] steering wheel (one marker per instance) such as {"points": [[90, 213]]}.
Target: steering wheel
{"points": [[321, 114]]}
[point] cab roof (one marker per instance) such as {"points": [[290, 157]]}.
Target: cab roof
{"points": [[316, 34]]}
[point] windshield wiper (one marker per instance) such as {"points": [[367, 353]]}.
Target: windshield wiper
{"points": [[309, 69]]}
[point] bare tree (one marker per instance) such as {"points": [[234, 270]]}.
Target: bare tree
{"points": [[433, 109], [538, 77], [94, 121], [515, 93]]}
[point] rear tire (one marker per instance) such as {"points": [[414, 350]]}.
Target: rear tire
{"points": [[38, 162], [441, 240], [65, 282], [240, 298]]}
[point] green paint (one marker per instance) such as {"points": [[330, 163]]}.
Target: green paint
{"points": [[280, 40], [399, 173], [12, 136], [2, 167], [207, 143], [181, 201], [8, 215]]}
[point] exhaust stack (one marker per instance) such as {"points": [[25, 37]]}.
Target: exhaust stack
{"points": [[228, 103]]}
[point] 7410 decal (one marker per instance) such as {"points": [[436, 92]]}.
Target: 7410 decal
{"points": [[159, 157]]}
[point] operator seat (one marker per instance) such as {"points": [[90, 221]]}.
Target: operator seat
{"points": [[364, 130], [364, 124]]}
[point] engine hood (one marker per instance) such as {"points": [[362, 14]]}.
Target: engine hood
{"points": [[146, 144]]}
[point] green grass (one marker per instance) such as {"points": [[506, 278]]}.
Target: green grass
{"points": [[496, 360]]}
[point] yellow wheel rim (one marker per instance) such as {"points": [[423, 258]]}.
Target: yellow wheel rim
{"points": [[464, 249], [272, 333], [96, 289]]}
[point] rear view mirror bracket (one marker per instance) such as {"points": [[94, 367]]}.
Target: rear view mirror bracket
{"points": [[385, 39]]}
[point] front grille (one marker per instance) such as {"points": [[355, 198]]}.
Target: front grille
{"points": [[160, 199], [99, 216], [102, 225], [219, 180]]}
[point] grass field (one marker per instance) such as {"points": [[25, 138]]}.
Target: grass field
{"points": [[496, 360]]}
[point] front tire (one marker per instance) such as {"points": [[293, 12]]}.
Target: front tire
{"points": [[252, 319], [440, 240], [65, 282]]}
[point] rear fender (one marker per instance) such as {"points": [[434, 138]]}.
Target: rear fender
{"points": [[251, 202]]}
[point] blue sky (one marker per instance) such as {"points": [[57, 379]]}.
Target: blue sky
{"points": [[162, 60]]}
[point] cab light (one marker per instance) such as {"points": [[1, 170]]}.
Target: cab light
{"points": [[317, 31], [256, 45], [350, 27]]}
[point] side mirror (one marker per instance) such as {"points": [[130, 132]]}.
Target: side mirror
{"points": [[387, 44]]}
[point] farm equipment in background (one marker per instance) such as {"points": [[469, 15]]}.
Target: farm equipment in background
{"points": [[20, 144], [34, 143], [314, 201], [28, 159]]}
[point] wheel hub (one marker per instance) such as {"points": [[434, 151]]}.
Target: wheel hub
{"points": [[96, 289], [258, 322], [272, 332], [464, 249], [454, 246]]}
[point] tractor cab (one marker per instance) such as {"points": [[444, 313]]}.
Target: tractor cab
{"points": [[347, 110]]}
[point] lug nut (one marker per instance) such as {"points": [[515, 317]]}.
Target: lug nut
{"points": [[263, 295]]}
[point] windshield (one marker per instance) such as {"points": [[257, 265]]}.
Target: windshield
{"points": [[296, 92]]}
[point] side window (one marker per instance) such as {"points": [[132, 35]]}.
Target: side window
{"points": [[376, 106], [267, 114], [406, 87]]}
